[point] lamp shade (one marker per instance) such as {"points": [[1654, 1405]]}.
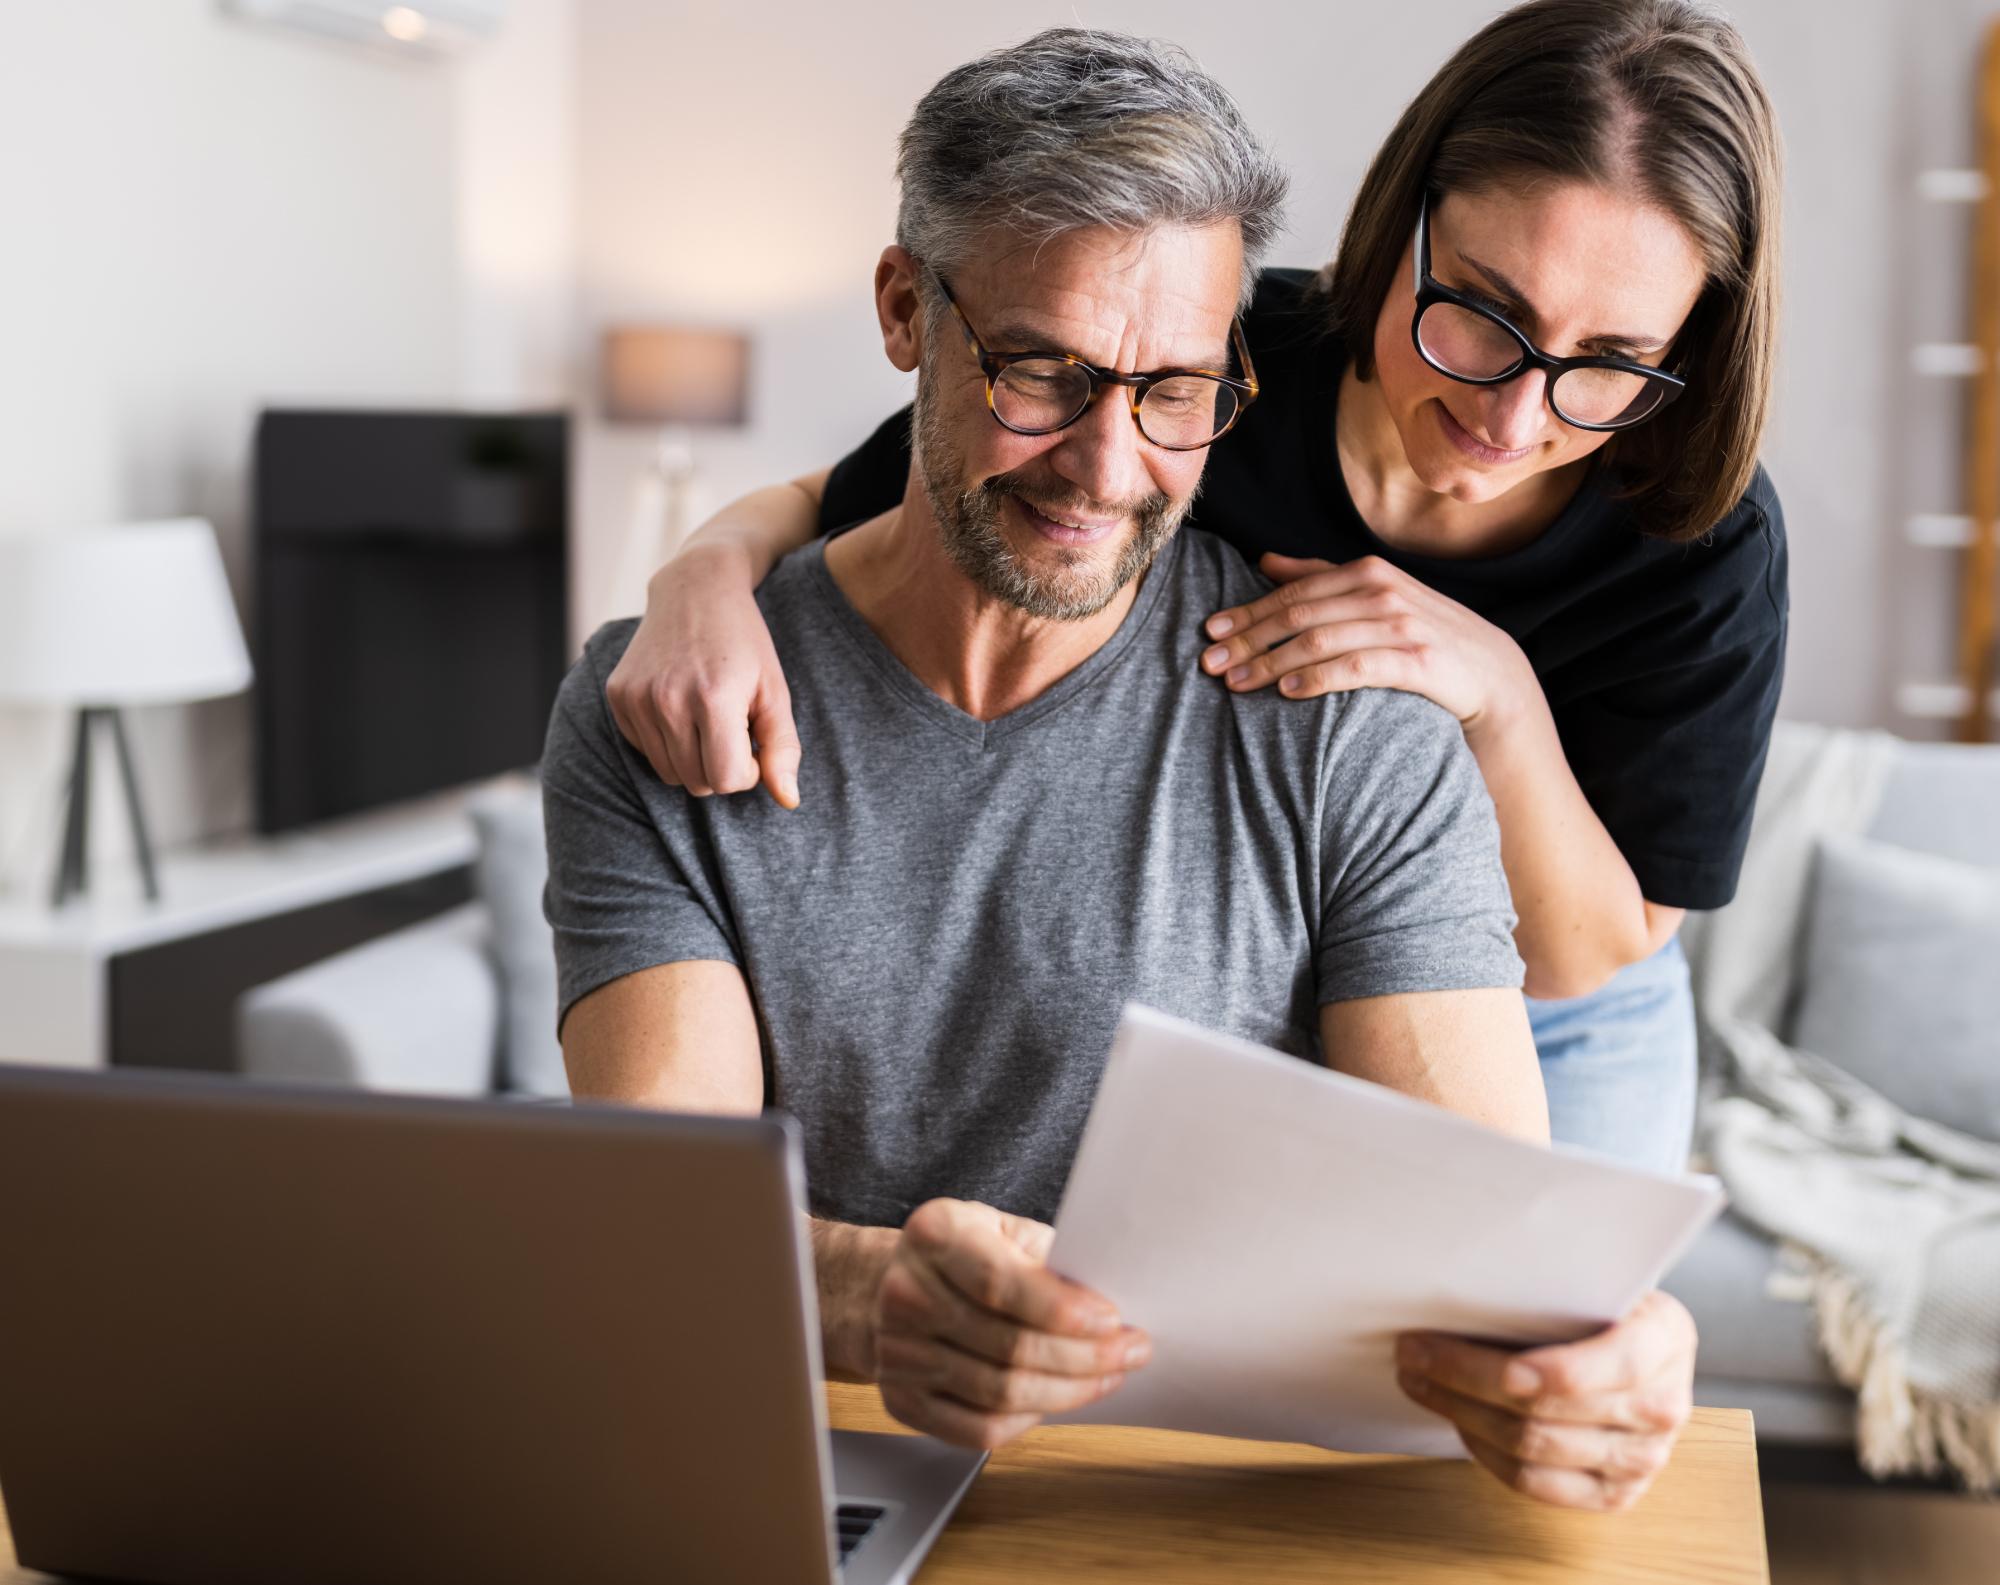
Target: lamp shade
{"points": [[662, 375], [138, 614]]}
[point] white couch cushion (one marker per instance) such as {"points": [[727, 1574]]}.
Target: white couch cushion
{"points": [[1902, 979], [415, 1010]]}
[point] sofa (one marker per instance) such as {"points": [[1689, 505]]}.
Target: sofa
{"points": [[1759, 1349], [465, 1003]]}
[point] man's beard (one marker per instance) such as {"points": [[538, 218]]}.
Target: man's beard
{"points": [[969, 526]]}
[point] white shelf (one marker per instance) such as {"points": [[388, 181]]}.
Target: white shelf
{"points": [[1952, 186], [247, 878], [1939, 701], [1952, 360], [55, 963], [1939, 530]]}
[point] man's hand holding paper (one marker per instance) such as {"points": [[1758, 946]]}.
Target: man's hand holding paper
{"points": [[1279, 1229], [1582, 1425], [976, 1339]]}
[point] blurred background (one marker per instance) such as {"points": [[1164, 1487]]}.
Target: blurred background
{"points": [[208, 217], [569, 274]]}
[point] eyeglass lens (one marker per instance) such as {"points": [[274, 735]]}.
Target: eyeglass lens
{"points": [[1473, 347], [1038, 395]]}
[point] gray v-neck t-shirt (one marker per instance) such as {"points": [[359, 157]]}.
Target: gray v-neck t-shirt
{"points": [[939, 939]]}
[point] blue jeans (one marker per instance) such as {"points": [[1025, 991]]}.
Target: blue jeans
{"points": [[1619, 1064]]}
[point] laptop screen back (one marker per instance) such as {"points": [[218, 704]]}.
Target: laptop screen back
{"points": [[252, 1333]]}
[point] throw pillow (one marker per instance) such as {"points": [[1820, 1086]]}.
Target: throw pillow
{"points": [[508, 877], [1902, 979]]}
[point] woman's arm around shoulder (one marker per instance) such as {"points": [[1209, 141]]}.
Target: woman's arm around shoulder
{"points": [[699, 691]]}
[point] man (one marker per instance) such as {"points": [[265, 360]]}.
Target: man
{"points": [[1025, 804]]}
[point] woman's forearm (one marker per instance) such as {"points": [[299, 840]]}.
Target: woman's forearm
{"points": [[1582, 915], [761, 527], [699, 690]]}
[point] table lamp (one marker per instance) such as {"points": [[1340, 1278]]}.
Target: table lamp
{"points": [[97, 619], [675, 378]]}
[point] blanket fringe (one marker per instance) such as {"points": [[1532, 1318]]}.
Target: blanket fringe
{"points": [[1901, 1429]]}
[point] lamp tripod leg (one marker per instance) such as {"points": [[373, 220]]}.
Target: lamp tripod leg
{"points": [[76, 829], [132, 804]]}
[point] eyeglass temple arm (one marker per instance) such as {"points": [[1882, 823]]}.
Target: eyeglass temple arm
{"points": [[1243, 351], [1420, 259]]}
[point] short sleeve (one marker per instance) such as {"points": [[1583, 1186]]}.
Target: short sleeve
{"points": [[1668, 744], [1413, 896], [624, 892], [870, 479]]}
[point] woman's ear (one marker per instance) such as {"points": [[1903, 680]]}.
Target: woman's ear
{"points": [[899, 306]]}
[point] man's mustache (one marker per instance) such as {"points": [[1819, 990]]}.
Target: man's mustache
{"points": [[1065, 502]]}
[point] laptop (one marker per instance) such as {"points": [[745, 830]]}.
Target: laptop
{"points": [[256, 1333]]}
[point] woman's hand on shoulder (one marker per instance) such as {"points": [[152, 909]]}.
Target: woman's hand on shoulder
{"points": [[699, 690], [1332, 627]]}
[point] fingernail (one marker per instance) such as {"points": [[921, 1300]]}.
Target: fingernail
{"points": [[1240, 674], [1221, 626], [1523, 1381], [1137, 1352], [1215, 658], [1291, 683], [1110, 1383], [1102, 1321]]}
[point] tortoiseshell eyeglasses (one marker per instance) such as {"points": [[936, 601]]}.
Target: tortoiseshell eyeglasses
{"points": [[1038, 393]]}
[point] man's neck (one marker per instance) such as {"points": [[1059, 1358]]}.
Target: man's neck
{"points": [[980, 654]]}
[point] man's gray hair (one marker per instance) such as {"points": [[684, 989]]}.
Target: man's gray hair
{"points": [[1077, 128]]}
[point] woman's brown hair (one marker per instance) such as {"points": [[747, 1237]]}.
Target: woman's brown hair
{"points": [[1655, 98]]}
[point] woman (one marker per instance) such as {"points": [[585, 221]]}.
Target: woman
{"points": [[1504, 456]]}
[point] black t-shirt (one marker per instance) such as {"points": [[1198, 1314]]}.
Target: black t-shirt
{"points": [[1661, 662]]}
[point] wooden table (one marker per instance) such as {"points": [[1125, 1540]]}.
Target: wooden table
{"points": [[1085, 1503], [1079, 1504]]}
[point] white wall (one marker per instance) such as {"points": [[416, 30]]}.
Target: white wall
{"points": [[735, 167], [203, 217], [1925, 256], [516, 166]]}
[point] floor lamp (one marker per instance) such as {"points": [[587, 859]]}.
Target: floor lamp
{"points": [[674, 379], [99, 619]]}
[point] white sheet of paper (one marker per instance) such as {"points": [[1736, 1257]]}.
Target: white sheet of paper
{"points": [[1273, 1225]]}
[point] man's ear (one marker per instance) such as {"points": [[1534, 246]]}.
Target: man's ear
{"points": [[899, 306]]}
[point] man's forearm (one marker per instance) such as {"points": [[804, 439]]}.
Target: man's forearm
{"points": [[848, 1263]]}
